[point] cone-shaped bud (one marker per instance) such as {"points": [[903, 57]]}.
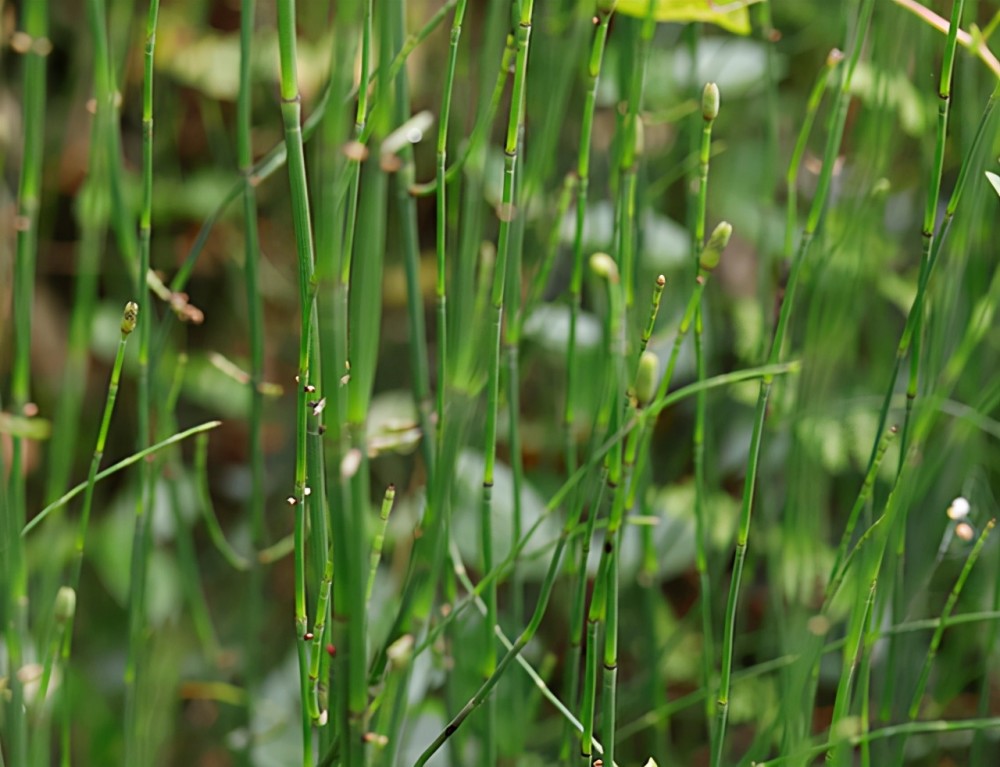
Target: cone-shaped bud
{"points": [[710, 101], [604, 266], [65, 604], [129, 317], [645, 378], [716, 244]]}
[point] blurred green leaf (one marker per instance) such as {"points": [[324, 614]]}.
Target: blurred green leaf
{"points": [[994, 180], [732, 16], [24, 427]]}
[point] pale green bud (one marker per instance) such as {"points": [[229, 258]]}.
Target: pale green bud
{"points": [[65, 604], [604, 266], [645, 378], [716, 244], [710, 101]]}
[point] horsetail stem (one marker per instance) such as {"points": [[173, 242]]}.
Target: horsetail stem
{"points": [[441, 220], [949, 606], [605, 9], [379, 539], [708, 260], [291, 112], [709, 112], [743, 531], [15, 596], [255, 321], [139, 566]]}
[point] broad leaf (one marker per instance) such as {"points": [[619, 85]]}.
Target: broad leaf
{"points": [[731, 16]]}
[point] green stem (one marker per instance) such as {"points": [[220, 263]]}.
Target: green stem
{"points": [[507, 212], [15, 592], [441, 221], [602, 19], [515, 650], [134, 750], [946, 612], [291, 112], [709, 112], [743, 531], [255, 320], [378, 540], [70, 494]]}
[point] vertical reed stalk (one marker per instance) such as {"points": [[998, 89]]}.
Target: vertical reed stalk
{"points": [[128, 325], [291, 112], [929, 226], [134, 750], [578, 621], [365, 326], [949, 607], [406, 209], [743, 531], [709, 111], [379, 539], [336, 190], [511, 359], [507, 212], [441, 221], [605, 9], [618, 481], [255, 321], [15, 606], [792, 175], [631, 150], [853, 648], [914, 333]]}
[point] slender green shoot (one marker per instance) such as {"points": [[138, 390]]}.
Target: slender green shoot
{"points": [[137, 587], [602, 19], [949, 607], [507, 212], [235, 560], [709, 112], [14, 600], [255, 381], [379, 539], [123, 464], [746, 508], [128, 325], [291, 113]]}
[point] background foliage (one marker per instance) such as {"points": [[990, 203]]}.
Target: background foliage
{"points": [[206, 564]]}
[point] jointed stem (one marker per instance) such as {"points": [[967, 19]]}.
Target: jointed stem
{"points": [[743, 530], [291, 112], [603, 19]]}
